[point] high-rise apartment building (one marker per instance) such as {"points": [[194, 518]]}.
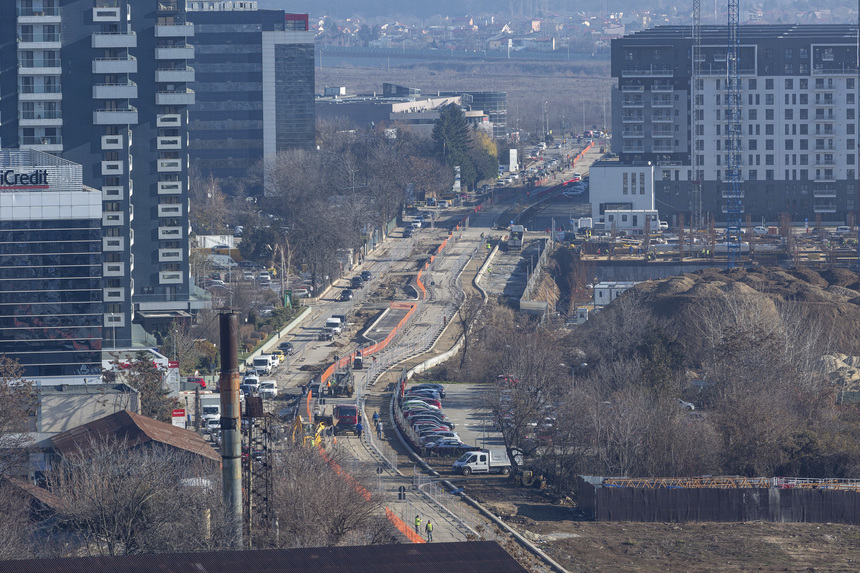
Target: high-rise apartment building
{"points": [[51, 311], [105, 84], [799, 107], [254, 85]]}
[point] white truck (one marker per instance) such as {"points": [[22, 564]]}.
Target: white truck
{"points": [[268, 389], [210, 408], [483, 462], [262, 362], [334, 325]]}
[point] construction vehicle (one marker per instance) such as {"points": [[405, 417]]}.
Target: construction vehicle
{"points": [[308, 433], [530, 478], [342, 384]]}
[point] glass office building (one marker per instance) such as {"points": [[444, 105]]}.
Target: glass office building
{"points": [[51, 308]]}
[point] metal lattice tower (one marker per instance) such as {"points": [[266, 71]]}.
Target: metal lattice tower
{"points": [[734, 194], [697, 108]]}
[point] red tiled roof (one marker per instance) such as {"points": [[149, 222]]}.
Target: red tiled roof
{"points": [[136, 430]]}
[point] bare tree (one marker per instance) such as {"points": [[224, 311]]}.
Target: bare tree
{"points": [[18, 400], [120, 499], [17, 530], [317, 506]]}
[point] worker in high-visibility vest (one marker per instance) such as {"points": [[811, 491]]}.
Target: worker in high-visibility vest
{"points": [[418, 524]]}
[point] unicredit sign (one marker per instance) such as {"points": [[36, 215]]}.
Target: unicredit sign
{"points": [[11, 179]]}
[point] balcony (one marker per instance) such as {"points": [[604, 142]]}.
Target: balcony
{"points": [[633, 104], [127, 90], [112, 168], [127, 116], [824, 147], [662, 134], [115, 66], [662, 103], [662, 119], [633, 119], [630, 148], [107, 14], [113, 243], [825, 101], [169, 233], [113, 294], [652, 72], [823, 162], [826, 176], [40, 118], [662, 89], [175, 75], [49, 143], [170, 187], [632, 134], [184, 97], [824, 86], [826, 208], [169, 255], [169, 165], [112, 193], [171, 210], [632, 89], [168, 120], [173, 142], [114, 40], [39, 67], [40, 42], [170, 5], [113, 219], [170, 278], [174, 30], [112, 142], [48, 92], [662, 147], [114, 320], [113, 269], [185, 52], [44, 15], [824, 193]]}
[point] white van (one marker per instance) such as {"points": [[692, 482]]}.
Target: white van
{"points": [[263, 362], [334, 325]]}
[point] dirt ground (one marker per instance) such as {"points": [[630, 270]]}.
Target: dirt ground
{"points": [[581, 545]]}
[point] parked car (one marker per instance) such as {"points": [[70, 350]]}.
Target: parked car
{"points": [[366, 275], [437, 387], [431, 401], [843, 230], [760, 230], [446, 447], [287, 347], [429, 436], [356, 282], [346, 294]]}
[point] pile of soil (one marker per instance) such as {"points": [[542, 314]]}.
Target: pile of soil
{"points": [[831, 297]]}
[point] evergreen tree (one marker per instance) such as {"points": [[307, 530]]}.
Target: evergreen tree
{"points": [[452, 140]]}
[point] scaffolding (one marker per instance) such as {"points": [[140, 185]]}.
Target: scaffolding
{"points": [[697, 101]]}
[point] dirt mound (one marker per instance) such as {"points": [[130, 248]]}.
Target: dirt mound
{"points": [[831, 296]]}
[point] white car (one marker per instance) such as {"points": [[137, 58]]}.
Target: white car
{"points": [[760, 230], [843, 230]]}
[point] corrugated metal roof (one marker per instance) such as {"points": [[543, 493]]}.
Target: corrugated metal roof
{"points": [[466, 557], [135, 429]]}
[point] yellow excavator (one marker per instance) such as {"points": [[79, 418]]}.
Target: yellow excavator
{"points": [[308, 433]]}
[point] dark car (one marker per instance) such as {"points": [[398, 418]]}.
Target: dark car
{"points": [[407, 232], [346, 294], [446, 447], [356, 282], [325, 335], [287, 347], [366, 275]]}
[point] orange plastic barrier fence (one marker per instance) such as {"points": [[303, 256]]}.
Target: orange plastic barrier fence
{"points": [[403, 528]]}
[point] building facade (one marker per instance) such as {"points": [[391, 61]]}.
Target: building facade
{"points": [[254, 85], [104, 84], [51, 267], [798, 111]]}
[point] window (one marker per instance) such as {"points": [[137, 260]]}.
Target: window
{"points": [[768, 129], [768, 99], [789, 83], [849, 113], [804, 158], [804, 99], [752, 175], [804, 113], [768, 174], [789, 69], [753, 115], [718, 99], [789, 113], [751, 84], [768, 144], [787, 99], [849, 174], [788, 56], [849, 129], [849, 83], [753, 144], [849, 144], [789, 144], [768, 159], [768, 114], [804, 130], [804, 174], [849, 159], [718, 115], [849, 98], [642, 183], [624, 182], [804, 84], [768, 82]]}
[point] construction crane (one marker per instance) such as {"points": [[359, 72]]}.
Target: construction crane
{"points": [[697, 109], [733, 194]]}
